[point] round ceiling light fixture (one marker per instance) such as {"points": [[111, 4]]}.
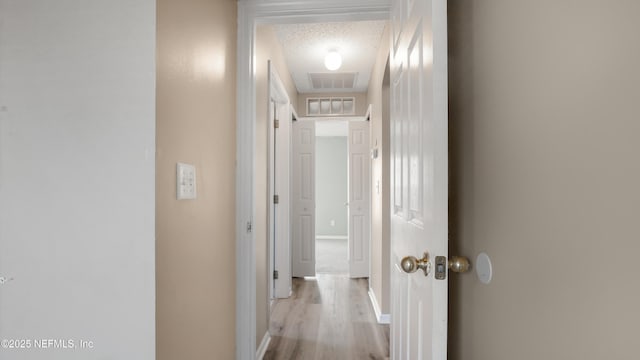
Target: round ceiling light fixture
{"points": [[333, 60]]}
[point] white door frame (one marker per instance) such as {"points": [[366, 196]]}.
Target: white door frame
{"points": [[250, 14]]}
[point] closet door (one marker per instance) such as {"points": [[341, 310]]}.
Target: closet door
{"points": [[359, 198], [303, 199]]}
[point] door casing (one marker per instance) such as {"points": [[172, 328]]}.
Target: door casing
{"points": [[250, 14]]}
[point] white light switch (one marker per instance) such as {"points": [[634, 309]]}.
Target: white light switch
{"points": [[186, 179]]}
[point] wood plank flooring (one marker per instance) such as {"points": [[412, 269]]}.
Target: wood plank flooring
{"points": [[327, 317]]}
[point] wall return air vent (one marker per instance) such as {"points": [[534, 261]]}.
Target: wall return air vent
{"points": [[331, 106]]}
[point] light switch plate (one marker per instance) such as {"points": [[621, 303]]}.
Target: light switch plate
{"points": [[186, 180]]}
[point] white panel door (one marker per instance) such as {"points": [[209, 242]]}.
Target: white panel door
{"points": [[279, 185], [419, 161], [303, 198], [359, 198]]}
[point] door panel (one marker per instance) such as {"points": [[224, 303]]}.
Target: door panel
{"points": [[303, 199], [359, 198], [306, 232], [397, 146], [358, 236], [419, 162]]}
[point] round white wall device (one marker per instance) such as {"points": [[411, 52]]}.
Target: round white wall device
{"points": [[484, 268]]}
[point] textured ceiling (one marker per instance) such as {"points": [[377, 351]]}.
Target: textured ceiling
{"points": [[305, 46]]}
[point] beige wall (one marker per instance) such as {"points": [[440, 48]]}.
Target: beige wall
{"points": [[267, 48], [196, 86], [544, 123], [361, 101], [378, 97]]}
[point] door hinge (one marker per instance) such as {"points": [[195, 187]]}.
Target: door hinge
{"points": [[275, 274], [249, 226], [276, 199], [276, 123]]}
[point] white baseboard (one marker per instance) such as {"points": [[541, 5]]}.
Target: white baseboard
{"points": [[382, 318], [332, 237], [264, 344]]}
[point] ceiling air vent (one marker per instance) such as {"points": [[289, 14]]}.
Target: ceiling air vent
{"points": [[326, 81]]}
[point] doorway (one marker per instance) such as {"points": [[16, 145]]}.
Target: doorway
{"points": [[305, 204], [332, 198], [249, 14]]}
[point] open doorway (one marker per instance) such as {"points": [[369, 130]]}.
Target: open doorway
{"points": [[332, 185], [324, 100], [305, 203]]}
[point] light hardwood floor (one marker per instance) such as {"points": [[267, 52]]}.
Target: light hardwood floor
{"points": [[328, 317]]}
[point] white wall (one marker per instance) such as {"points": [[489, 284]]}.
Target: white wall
{"points": [[77, 128], [378, 97], [332, 182]]}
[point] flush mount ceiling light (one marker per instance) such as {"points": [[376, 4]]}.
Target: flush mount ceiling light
{"points": [[333, 60]]}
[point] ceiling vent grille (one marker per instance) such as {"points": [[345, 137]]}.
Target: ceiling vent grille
{"points": [[332, 81]]}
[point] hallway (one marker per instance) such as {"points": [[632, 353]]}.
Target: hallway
{"points": [[328, 317]]}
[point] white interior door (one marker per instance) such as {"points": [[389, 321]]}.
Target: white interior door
{"points": [[279, 187], [419, 178], [303, 198], [359, 198]]}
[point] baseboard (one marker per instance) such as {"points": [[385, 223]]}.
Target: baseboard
{"points": [[382, 318], [332, 237], [262, 349]]}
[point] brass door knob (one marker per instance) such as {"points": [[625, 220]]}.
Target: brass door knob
{"points": [[459, 264], [411, 264]]}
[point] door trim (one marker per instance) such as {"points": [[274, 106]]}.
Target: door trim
{"points": [[251, 13]]}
